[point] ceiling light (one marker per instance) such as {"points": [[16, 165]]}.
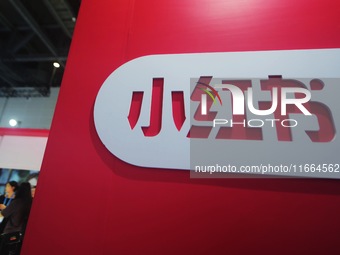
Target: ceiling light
{"points": [[13, 122], [74, 19], [56, 64]]}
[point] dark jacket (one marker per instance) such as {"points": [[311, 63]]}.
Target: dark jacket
{"points": [[16, 215]]}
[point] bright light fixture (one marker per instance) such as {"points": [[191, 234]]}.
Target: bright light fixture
{"points": [[13, 122], [56, 64]]}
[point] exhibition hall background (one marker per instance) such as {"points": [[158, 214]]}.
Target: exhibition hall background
{"points": [[90, 202]]}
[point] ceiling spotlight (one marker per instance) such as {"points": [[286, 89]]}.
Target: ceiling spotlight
{"points": [[56, 64], [74, 19], [13, 122]]}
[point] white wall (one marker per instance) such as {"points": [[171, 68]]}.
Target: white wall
{"points": [[22, 152], [35, 112]]}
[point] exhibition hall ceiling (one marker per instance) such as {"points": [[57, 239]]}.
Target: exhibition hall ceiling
{"points": [[33, 36]]}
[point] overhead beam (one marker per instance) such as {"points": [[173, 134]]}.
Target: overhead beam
{"points": [[57, 18], [7, 72], [24, 91], [36, 28], [3, 20], [34, 58], [21, 43], [67, 6]]}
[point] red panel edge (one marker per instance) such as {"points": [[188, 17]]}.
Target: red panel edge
{"points": [[24, 132]]}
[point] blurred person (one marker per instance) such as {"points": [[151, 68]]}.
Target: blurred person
{"points": [[18, 210], [9, 195], [6, 199]]}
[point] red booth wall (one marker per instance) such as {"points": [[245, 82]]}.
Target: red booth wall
{"points": [[90, 202]]}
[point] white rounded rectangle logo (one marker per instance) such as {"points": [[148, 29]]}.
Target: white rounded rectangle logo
{"points": [[181, 111]]}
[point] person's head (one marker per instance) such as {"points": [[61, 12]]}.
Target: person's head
{"points": [[24, 191], [11, 187], [33, 191], [33, 180]]}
